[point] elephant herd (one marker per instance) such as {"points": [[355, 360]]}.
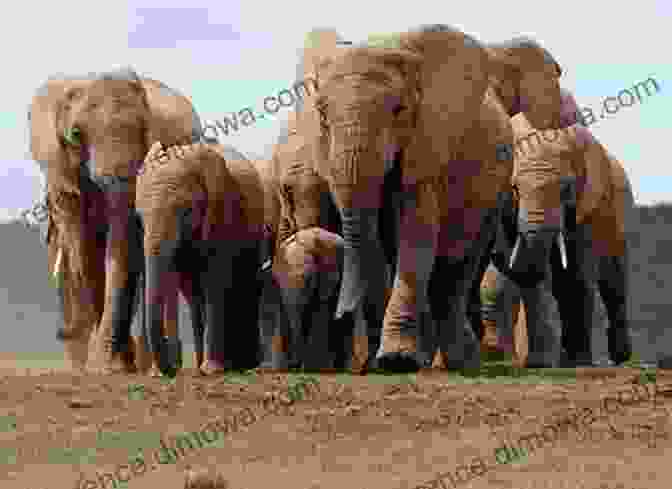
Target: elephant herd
{"points": [[363, 241]]}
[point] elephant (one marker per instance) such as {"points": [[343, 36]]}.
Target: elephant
{"points": [[97, 129], [563, 235], [416, 129], [202, 212], [308, 256]]}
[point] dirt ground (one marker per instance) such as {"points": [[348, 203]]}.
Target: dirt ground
{"points": [[330, 431]]}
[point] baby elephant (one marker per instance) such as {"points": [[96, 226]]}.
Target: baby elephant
{"points": [[202, 210]]}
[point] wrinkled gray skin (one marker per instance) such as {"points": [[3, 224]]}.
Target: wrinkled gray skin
{"points": [[507, 297], [213, 277], [561, 302]]}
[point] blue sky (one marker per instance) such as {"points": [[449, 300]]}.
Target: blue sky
{"points": [[230, 55]]}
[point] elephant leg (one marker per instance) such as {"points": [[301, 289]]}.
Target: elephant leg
{"points": [[245, 295], [508, 298], [389, 218], [560, 281], [122, 270], [408, 305], [577, 293], [474, 304], [544, 328], [222, 321], [452, 282], [613, 289], [363, 278], [296, 298], [274, 328], [192, 291], [139, 333], [324, 283]]}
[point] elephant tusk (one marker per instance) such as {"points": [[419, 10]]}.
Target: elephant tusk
{"points": [[514, 253], [266, 265], [57, 265], [563, 250]]}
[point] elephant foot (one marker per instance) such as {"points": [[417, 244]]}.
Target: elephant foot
{"points": [[490, 339], [458, 353], [574, 361], [398, 362], [114, 363], [543, 365], [197, 361], [214, 367], [155, 372], [142, 357], [362, 368], [620, 345], [444, 362], [665, 363], [128, 357]]}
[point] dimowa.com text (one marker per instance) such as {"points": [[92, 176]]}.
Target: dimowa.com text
{"points": [[584, 116], [272, 104]]}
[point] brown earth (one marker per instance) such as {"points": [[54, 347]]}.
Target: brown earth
{"points": [[365, 432]]}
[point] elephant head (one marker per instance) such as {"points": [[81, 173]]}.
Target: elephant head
{"points": [[389, 118], [302, 193], [560, 177], [527, 80], [91, 133]]}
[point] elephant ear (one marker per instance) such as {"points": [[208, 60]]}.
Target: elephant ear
{"points": [[46, 143], [174, 119], [62, 168], [235, 189], [526, 76], [617, 212], [592, 165]]}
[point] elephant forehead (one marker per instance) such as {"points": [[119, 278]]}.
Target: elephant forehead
{"points": [[359, 62], [164, 187]]}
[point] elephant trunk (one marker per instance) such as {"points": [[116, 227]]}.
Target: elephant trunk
{"points": [[363, 257], [540, 226]]}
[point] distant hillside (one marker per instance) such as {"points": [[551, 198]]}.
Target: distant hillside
{"points": [[28, 305]]}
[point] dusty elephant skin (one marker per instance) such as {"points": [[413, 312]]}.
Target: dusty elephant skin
{"points": [[502, 309], [202, 209], [431, 110], [96, 130], [568, 223], [81, 296], [307, 261]]}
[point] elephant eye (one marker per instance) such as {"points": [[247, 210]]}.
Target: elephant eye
{"points": [[515, 192], [398, 110], [324, 123]]}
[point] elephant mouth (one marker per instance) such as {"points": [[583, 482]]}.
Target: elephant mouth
{"points": [[88, 170]]}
